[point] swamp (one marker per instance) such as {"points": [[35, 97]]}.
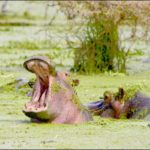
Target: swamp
{"points": [[29, 28]]}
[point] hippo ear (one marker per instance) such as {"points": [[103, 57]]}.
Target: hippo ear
{"points": [[108, 95], [75, 82], [121, 92]]}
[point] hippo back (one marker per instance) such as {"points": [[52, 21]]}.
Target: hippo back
{"points": [[138, 107]]}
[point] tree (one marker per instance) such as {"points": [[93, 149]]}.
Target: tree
{"points": [[99, 21]]}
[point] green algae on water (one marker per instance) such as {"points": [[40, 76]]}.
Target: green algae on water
{"points": [[56, 87], [77, 102], [130, 91]]}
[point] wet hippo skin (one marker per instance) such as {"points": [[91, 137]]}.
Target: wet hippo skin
{"points": [[54, 100]]}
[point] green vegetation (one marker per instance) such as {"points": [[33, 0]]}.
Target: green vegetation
{"points": [[25, 15], [138, 52], [6, 29], [100, 46], [27, 45], [56, 87], [77, 102], [130, 90], [16, 130]]}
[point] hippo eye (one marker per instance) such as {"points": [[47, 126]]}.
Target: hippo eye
{"points": [[66, 74]]}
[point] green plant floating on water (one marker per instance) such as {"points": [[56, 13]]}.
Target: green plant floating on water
{"points": [[131, 90], [76, 101], [56, 87]]}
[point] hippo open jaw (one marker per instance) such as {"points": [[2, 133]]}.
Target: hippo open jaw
{"points": [[37, 107], [39, 95]]}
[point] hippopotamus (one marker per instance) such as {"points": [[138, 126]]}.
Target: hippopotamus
{"points": [[117, 106], [53, 99]]}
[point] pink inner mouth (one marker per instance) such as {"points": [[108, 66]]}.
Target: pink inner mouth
{"points": [[41, 87], [38, 100]]}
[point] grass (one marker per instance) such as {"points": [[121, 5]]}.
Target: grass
{"points": [[27, 45]]}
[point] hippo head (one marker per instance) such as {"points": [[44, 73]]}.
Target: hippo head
{"points": [[53, 97]]}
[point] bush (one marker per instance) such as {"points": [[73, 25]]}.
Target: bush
{"points": [[100, 46]]}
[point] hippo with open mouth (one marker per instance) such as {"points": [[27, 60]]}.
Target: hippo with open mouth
{"points": [[53, 99]]}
